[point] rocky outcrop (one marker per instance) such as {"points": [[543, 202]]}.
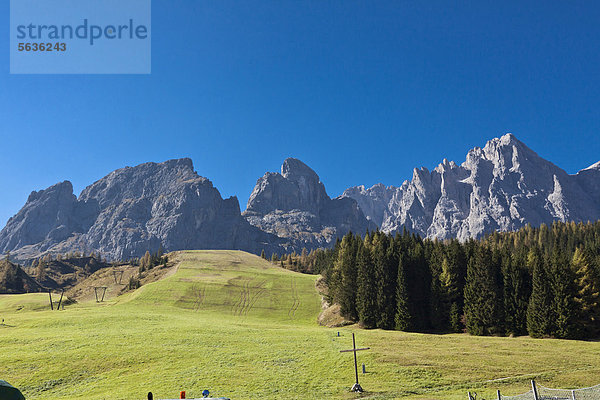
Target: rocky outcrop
{"points": [[503, 186], [130, 211], [294, 205]]}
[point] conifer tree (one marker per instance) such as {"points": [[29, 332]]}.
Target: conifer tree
{"points": [[346, 267], [403, 318], [564, 306], [481, 294], [439, 304], [587, 281], [539, 311], [386, 281], [516, 294], [366, 294], [449, 279]]}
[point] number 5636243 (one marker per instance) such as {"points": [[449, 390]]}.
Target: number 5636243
{"points": [[42, 46]]}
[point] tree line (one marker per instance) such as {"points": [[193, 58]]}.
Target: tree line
{"points": [[544, 282]]}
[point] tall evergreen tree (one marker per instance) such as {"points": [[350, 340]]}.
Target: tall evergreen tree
{"points": [[540, 315], [366, 295], [439, 305], [481, 304], [386, 278], [587, 281], [346, 265], [516, 294], [418, 278], [564, 306], [449, 279], [403, 318]]}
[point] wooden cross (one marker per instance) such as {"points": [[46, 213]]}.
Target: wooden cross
{"points": [[356, 387]]}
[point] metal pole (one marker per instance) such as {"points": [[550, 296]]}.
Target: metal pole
{"points": [[50, 294], [499, 397], [535, 393], [355, 362], [469, 396], [60, 301], [573, 395]]}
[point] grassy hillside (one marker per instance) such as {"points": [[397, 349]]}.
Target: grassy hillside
{"points": [[231, 322]]}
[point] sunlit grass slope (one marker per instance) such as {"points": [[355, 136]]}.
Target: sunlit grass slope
{"points": [[233, 323]]}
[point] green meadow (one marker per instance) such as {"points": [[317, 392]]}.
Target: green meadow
{"points": [[235, 324]]}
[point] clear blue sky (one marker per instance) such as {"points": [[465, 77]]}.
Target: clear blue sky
{"points": [[362, 92]]}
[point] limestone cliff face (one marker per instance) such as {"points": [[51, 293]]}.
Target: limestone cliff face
{"points": [[294, 205], [503, 186], [130, 211]]}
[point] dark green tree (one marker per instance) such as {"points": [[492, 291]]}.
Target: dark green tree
{"points": [[564, 291], [403, 318], [540, 315], [366, 295], [386, 276], [516, 293], [346, 265], [587, 281], [481, 304]]}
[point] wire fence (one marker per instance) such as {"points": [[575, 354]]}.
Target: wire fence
{"points": [[538, 392], [523, 396]]}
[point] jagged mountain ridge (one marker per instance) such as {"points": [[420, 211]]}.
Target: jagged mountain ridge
{"points": [[168, 205], [502, 186], [130, 211]]}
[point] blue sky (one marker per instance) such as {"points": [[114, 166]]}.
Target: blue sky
{"points": [[362, 92]]}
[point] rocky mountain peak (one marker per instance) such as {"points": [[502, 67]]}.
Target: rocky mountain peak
{"points": [[297, 188], [502, 186], [132, 210], [294, 168], [294, 205]]}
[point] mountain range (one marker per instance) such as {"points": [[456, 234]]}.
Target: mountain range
{"points": [[502, 186]]}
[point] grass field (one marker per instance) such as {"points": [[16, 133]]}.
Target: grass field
{"points": [[232, 323]]}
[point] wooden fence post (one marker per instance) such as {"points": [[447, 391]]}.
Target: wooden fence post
{"points": [[60, 301], [534, 388]]}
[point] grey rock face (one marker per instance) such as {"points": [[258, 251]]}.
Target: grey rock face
{"points": [[503, 186], [49, 216], [130, 211], [294, 205]]}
